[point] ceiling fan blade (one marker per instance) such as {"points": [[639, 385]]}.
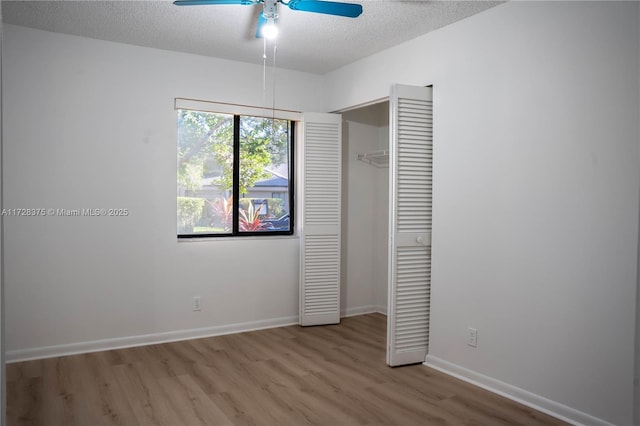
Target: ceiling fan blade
{"points": [[206, 2], [349, 10], [261, 23]]}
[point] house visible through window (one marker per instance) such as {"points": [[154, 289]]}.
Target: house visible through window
{"points": [[234, 175]]}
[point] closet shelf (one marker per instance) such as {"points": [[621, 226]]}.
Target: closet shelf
{"points": [[376, 158]]}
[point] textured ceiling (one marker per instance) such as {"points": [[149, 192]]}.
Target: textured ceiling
{"points": [[308, 42]]}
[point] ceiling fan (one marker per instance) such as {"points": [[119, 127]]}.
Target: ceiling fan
{"points": [[269, 15]]}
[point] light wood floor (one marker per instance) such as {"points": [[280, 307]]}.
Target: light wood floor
{"points": [[331, 375]]}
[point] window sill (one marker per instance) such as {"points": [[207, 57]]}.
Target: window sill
{"points": [[247, 238]]}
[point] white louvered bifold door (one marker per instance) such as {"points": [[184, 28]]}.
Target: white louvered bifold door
{"points": [[411, 157], [320, 196]]}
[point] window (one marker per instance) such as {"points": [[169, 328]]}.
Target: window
{"points": [[229, 168]]}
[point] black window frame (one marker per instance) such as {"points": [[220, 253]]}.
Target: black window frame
{"points": [[236, 187]]}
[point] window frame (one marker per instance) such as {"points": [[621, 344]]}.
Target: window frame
{"points": [[238, 111]]}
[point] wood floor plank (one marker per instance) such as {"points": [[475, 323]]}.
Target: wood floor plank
{"points": [[110, 396], [25, 370], [149, 403], [24, 406], [70, 380], [58, 400], [349, 403], [328, 375], [194, 405]]}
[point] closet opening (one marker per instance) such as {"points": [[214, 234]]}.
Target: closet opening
{"points": [[365, 209]]}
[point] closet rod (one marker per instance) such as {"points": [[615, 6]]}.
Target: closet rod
{"points": [[376, 158]]}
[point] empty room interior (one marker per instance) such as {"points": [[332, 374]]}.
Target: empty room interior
{"points": [[389, 213]]}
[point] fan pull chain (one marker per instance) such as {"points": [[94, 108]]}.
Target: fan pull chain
{"points": [[273, 84], [264, 72], [273, 98]]}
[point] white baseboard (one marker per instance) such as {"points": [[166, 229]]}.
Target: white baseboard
{"points": [[142, 340], [362, 310], [165, 337], [514, 393], [381, 309]]}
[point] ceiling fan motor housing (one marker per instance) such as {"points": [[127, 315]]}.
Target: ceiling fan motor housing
{"points": [[270, 9]]}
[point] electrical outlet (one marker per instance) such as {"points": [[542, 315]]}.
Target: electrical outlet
{"points": [[472, 337], [196, 303]]}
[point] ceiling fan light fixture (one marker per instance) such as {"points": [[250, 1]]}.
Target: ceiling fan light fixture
{"points": [[269, 30]]}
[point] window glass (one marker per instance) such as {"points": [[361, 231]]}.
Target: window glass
{"points": [[209, 174], [264, 169]]}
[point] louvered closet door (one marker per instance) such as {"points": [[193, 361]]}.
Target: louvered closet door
{"points": [[411, 157], [320, 196]]}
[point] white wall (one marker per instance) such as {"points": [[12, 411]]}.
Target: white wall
{"points": [[365, 212], [536, 177], [90, 124]]}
